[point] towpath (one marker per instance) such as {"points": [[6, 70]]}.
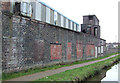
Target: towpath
{"points": [[55, 71]]}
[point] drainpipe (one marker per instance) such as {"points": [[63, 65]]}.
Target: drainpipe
{"points": [[11, 29]]}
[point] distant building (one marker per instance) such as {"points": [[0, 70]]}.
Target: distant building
{"points": [[91, 25], [34, 34], [112, 45]]}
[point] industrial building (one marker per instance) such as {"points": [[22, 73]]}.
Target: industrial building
{"points": [[91, 25], [40, 11], [36, 35]]}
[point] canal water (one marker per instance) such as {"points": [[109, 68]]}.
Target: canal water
{"points": [[109, 75]]}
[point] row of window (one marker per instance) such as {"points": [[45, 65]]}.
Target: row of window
{"points": [[41, 12], [101, 49]]}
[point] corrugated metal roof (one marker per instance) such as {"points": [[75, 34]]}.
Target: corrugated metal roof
{"points": [[55, 10]]}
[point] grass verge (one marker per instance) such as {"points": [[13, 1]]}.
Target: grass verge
{"points": [[7, 76], [82, 73]]}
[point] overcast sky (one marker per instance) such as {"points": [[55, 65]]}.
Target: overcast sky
{"points": [[105, 10]]}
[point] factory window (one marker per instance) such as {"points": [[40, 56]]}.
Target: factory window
{"points": [[62, 21], [66, 23], [99, 50], [47, 15], [74, 27], [95, 31], [29, 10], [38, 11], [23, 7], [102, 42], [71, 24], [55, 18], [89, 30], [52, 16], [26, 9], [102, 49]]}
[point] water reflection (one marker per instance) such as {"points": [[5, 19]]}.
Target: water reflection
{"points": [[110, 75]]}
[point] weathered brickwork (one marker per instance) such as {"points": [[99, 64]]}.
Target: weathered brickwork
{"points": [[28, 43], [90, 50], [69, 50], [79, 49], [112, 50], [56, 52]]}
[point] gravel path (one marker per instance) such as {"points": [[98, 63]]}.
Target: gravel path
{"points": [[55, 71]]}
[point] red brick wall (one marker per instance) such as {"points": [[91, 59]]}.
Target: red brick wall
{"points": [[79, 50], [69, 50], [90, 50], [56, 52]]}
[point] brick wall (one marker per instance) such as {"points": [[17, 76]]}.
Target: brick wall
{"points": [[112, 50], [28, 43]]}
